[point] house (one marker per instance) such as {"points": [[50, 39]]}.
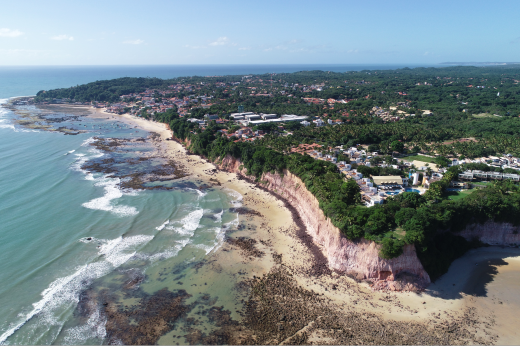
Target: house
{"points": [[357, 176], [211, 116], [374, 200], [318, 122], [251, 117], [387, 180], [459, 184], [268, 116]]}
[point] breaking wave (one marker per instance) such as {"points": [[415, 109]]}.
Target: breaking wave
{"points": [[66, 290]]}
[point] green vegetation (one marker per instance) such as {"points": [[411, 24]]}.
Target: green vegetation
{"points": [[481, 183], [420, 158], [409, 218], [419, 217], [456, 195]]}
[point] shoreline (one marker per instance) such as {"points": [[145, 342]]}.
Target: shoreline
{"points": [[278, 226]]}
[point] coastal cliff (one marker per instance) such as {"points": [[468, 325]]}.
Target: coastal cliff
{"points": [[493, 233], [358, 259]]}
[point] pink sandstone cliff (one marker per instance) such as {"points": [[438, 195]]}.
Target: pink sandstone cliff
{"points": [[493, 233], [359, 259]]}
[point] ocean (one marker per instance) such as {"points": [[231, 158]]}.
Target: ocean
{"points": [[69, 237]]}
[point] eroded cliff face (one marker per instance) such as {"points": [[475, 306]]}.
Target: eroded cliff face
{"points": [[359, 259], [493, 233]]}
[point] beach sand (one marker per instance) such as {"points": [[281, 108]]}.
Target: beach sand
{"points": [[481, 298]]}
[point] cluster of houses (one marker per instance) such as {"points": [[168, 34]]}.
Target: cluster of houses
{"points": [[506, 161], [375, 189], [157, 101], [252, 119]]}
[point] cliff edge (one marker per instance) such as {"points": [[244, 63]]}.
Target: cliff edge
{"points": [[358, 259], [493, 233]]}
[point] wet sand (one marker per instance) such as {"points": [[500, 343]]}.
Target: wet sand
{"points": [[480, 308], [487, 279]]}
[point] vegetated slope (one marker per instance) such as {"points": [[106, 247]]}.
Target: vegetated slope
{"points": [[408, 218]]}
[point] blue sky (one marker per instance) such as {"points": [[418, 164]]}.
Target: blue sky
{"points": [[113, 32]]}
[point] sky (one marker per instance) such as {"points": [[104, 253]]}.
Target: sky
{"points": [[165, 32]]}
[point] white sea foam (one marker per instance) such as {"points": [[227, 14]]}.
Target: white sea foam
{"points": [[161, 227], [112, 192], [218, 216], [171, 251], [189, 223], [96, 153], [7, 126], [233, 223], [185, 228], [93, 328], [65, 290], [220, 233], [88, 141], [110, 185], [199, 193], [237, 197]]}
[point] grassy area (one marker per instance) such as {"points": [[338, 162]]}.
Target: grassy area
{"points": [[397, 233], [456, 195], [419, 158], [483, 183]]}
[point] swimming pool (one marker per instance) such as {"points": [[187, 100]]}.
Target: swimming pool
{"points": [[411, 190], [392, 193]]}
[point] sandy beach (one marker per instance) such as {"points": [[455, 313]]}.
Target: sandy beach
{"points": [[475, 302]]}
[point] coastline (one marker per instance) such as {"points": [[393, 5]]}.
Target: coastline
{"points": [[273, 226]]}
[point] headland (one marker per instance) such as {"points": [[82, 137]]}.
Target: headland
{"points": [[295, 297]]}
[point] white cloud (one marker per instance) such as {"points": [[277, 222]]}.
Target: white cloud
{"points": [[194, 47], [221, 41], [5, 32], [138, 41], [244, 48], [62, 38]]}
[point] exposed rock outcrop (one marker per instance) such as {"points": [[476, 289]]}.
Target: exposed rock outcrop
{"points": [[493, 233], [359, 259]]}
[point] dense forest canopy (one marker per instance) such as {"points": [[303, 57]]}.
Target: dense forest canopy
{"points": [[444, 91]]}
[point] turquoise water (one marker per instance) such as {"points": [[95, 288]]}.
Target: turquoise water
{"points": [[64, 230], [50, 207], [408, 189]]}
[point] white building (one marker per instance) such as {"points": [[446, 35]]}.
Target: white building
{"points": [[415, 178], [268, 116], [374, 200]]}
